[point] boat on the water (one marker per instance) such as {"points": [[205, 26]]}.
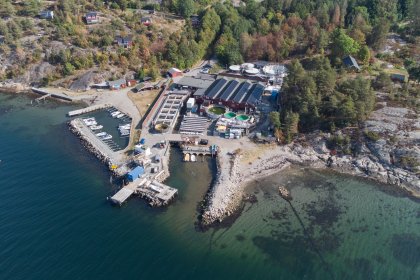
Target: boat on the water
{"points": [[124, 132], [115, 114], [92, 123], [119, 116], [96, 127], [187, 157], [85, 120], [193, 158], [124, 127], [106, 137], [101, 134]]}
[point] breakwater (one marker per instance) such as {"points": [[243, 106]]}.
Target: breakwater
{"points": [[101, 152]]}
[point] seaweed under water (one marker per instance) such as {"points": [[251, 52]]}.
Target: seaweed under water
{"points": [[406, 249], [292, 255]]}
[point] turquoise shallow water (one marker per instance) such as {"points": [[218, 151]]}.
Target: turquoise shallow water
{"points": [[55, 222]]}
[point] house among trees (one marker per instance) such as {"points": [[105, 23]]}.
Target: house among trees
{"points": [[195, 21], [399, 78], [91, 18], [46, 14], [351, 63], [118, 84], [146, 21], [124, 41], [174, 72]]}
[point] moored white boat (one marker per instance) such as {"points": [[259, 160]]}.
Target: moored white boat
{"points": [[193, 158], [96, 127], [119, 116], [91, 123], [106, 137], [124, 127], [115, 114], [101, 134], [124, 132]]}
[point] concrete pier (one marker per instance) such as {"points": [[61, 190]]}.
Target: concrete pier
{"points": [[156, 193], [88, 109], [121, 196]]}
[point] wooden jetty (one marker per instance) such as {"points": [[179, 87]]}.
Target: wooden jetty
{"points": [[88, 109]]}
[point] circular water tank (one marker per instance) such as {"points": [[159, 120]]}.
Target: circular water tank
{"points": [[252, 71], [235, 68]]}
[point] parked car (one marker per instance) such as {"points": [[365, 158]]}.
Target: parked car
{"points": [[205, 70], [186, 70]]}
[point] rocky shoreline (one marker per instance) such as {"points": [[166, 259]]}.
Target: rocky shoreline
{"points": [[233, 174]]}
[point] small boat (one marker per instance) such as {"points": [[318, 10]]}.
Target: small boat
{"points": [[101, 134], [124, 126], [106, 137], [115, 114], [124, 132], [193, 158], [91, 123], [86, 120], [96, 127], [119, 116], [187, 157]]}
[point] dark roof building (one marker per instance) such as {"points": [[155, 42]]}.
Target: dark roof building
{"points": [[118, 84], [91, 17], [351, 63], [399, 77], [125, 42], [232, 93]]}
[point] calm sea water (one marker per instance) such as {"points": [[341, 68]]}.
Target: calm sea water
{"points": [[55, 222]]}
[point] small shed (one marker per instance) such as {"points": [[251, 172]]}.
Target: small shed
{"points": [[351, 63], [146, 21], [46, 14], [118, 84], [174, 72], [135, 173], [399, 78]]}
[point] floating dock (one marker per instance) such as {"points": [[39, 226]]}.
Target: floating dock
{"points": [[88, 109]]}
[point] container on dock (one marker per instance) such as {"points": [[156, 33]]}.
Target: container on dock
{"points": [[135, 173]]}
